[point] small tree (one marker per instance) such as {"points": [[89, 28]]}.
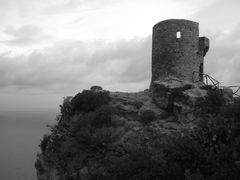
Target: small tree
{"points": [[213, 102], [96, 88], [103, 116], [89, 100], [44, 142]]}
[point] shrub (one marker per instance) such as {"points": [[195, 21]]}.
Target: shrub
{"points": [[88, 129], [66, 107], [214, 132], [39, 167], [216, 136], [96, 88], [84, 136], [147, 116], [97, 176], [181, 153], [138, 164], [44, 142], [232, 111], [89, 100], [103, 116], [212, 103], [183, 157], [81, 129], [187, 157]]}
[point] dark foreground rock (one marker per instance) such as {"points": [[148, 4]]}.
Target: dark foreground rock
{"points": [[114, 135]]}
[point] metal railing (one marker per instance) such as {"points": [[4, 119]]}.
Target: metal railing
{"points": [[234, 89], [208, 80], [205, 78]]}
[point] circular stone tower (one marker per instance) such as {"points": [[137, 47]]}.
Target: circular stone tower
{"points": [[177, 50]]}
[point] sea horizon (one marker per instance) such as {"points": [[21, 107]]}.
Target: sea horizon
{"points": [[20, 133]]}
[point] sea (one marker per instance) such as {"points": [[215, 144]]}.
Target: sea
{"points": [[20, 135]]}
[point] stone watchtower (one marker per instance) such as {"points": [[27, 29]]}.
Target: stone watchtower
{"points": [[178, 51]]}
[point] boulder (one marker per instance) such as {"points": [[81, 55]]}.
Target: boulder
{"points": [[177, 96], [149, 105]]}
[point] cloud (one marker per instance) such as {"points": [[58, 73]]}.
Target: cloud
{"points": [[72, 6], [25, 35], [220, 16], [78, 65], [59, 57], [220, 24], [222, 62], [118, 65], [11, 10], [64, 7]]}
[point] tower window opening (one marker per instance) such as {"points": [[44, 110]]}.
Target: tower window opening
{"points": [[178, 35]]}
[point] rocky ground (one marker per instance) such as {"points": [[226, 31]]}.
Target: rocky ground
{"points": [[116, 135]]}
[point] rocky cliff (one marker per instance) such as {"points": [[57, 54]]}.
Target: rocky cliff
{"points": [[176, 131]]}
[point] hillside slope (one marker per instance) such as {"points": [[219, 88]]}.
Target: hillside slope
{"points": [[184, 131]]}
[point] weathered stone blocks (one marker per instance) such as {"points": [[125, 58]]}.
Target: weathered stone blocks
{"points": [[177, 50], [177, 62]]}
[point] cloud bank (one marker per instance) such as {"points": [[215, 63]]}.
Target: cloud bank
{"points": [[25, 35], [52, 49], [77, 64]]}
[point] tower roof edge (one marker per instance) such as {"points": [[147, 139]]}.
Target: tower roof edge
{"points": [[177, 21]]}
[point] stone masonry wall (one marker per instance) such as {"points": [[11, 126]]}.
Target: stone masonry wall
{"points": [[174, 56]]}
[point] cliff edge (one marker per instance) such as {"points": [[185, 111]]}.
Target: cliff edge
{"points": [[185, 131]]}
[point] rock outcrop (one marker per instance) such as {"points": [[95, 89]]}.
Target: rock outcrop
{"points": [[177, 96], [85, 145]]}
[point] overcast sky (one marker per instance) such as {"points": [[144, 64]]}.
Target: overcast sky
{"points": [[51, 49]]}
